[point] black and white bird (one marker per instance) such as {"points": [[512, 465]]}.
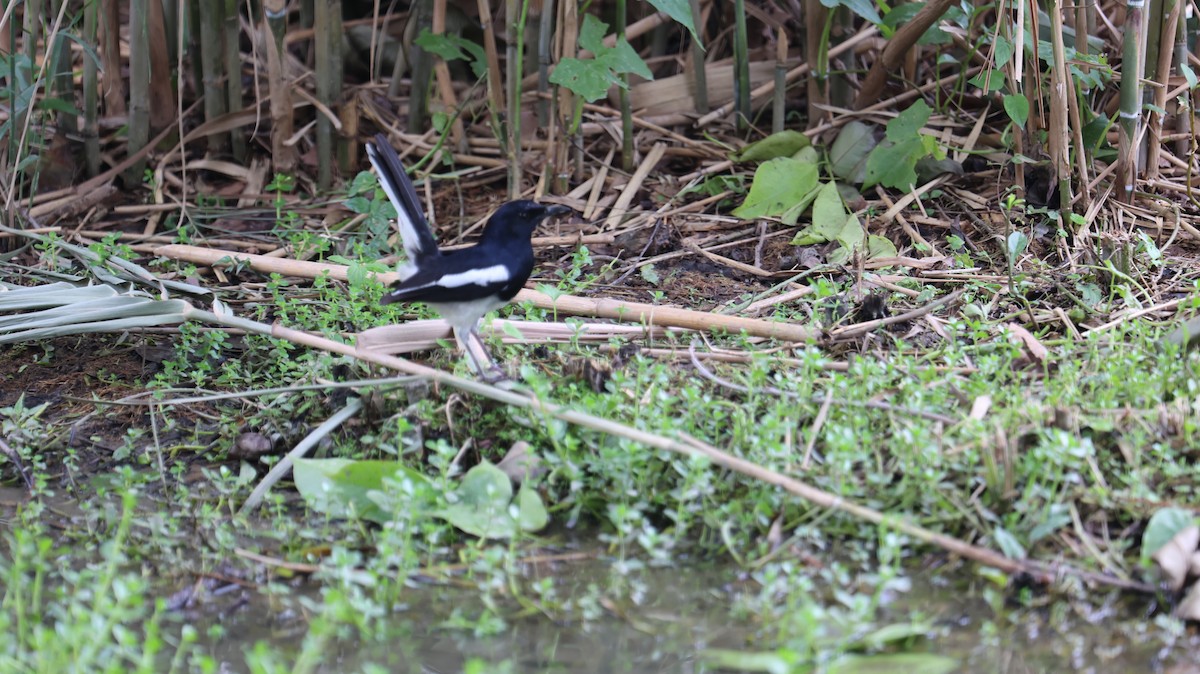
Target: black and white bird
{"points": [[461, 285]]}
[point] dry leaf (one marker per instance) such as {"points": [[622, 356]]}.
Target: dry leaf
{"points": [[1175, 557], [1036, 349]]}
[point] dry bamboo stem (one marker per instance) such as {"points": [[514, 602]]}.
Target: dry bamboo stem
{"points": [[631, 312]]}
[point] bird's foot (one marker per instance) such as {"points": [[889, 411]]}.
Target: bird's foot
{"points": [[493, 374]]}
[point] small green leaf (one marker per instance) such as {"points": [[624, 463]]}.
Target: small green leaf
{"points": [[1008, 544], [786, 143], [1017, 243], [533, 515], [1003, 52], [880, 247], [864, 8], [649, 274], [1017, 108]]}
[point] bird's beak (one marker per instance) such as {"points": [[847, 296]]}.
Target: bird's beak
{"points": [[558, 209]]}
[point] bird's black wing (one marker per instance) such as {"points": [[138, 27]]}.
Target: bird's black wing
{"points": [[463, 276], [415, 234]]}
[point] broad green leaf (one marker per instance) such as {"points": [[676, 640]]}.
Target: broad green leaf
{"points": [[829, 214], [342, 487], [779, 185], [622, 58], [1017, 108], [591, 34], [908, 124], [890, 663], [894, 165], [680, 11], [848, 154], [1162, 527], [583, 78], [786, 143], [808, 155]]}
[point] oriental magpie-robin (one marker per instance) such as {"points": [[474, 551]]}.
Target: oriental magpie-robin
{"points": [[462, 285]]}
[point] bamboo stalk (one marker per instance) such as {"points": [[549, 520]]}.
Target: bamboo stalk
{"points": [[139, 86], [514, 28], [422, 69], [778, 109], [1059, 136], [162, 93], [213, 77], [91, 88], [1131, 99], [627, 158], [458, 134], [233, 72], [110, 54], [62, 85], [1162, 75], [545, 59], [283, 155], [630, 312], [699, 72], [741, 65], [327, 22]]}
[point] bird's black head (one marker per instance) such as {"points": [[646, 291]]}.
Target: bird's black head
{"points": [[519, 219]]}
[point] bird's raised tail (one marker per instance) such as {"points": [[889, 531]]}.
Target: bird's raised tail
{"points": [[414, 229]]}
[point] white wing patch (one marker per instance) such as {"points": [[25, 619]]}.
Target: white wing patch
{"points": [[497, 273]]}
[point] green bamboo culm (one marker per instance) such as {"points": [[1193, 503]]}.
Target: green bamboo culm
{"points": [[741, 65], [139, 85], [91, 88], [1131, 97], [515, 14], [233, 70], [627, 158], [327, 27], [211, 65]]}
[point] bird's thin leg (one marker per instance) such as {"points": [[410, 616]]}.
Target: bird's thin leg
{"points": [[482, 362]]}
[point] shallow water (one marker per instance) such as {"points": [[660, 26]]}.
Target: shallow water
{"points": [[685, 611]]}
